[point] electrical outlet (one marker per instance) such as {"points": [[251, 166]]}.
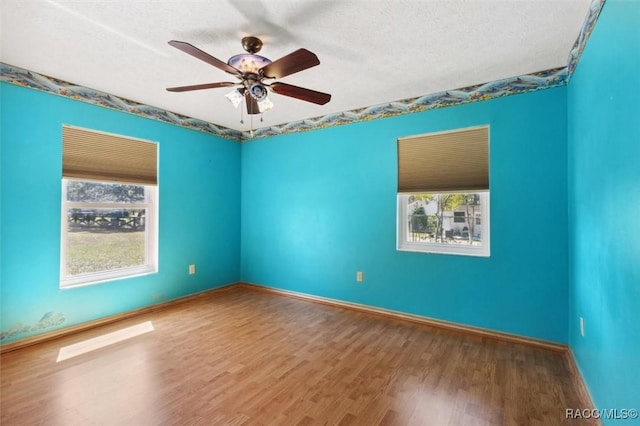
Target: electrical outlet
{"points": [[359, 276], [582, 326], [192, 269]]}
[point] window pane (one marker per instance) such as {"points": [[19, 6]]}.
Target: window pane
{"points": [[100, 192], [445, 218], [104, 239], [458, 217]]}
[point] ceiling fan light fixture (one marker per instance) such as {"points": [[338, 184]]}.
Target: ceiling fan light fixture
{"points": [[265, 105], [235, 97], [258, 91]]}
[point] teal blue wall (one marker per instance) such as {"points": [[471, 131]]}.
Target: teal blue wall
{"points": [[319, 206], [604, 207], [199, 213]]}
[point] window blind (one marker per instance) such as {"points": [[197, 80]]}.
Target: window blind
{"points": [[101, 156], [444, 162]]}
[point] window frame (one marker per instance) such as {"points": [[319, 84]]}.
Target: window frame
{"points": [[151, 237], [402, 231]]}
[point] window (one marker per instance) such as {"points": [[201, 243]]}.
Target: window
{"points": [[109, 207], [443, 193], [427, 223], [107, 231]]}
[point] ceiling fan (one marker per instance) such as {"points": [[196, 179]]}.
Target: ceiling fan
{"points": [[253, 71]]}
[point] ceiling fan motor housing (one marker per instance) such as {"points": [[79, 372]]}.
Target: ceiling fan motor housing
{"points": [[248, 63]]}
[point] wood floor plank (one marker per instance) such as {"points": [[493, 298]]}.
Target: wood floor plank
{"points": [[243, 357]]}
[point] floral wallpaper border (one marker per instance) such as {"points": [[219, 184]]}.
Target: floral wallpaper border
{"points": [[22, 77], [496, 89]]}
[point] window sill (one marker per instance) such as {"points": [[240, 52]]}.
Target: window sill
{"points": [[445, 249], [103, 277]]}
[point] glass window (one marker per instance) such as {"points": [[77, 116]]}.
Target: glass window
{"points": [[109, 231], [452, 223]]}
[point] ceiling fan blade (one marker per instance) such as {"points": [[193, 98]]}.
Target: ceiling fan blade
{"points": [[252, 105], [300, 93], [294, 62], [200, 86], [204, 56]]}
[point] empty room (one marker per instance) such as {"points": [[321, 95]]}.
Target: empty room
{"points": [[320, 212]]}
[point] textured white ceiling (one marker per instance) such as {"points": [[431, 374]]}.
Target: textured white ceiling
{"points": [[371, 52]]}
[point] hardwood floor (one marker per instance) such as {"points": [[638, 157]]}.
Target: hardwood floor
{"points": [[246, 357]]}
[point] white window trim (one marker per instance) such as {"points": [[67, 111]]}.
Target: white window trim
{"points": [[151, 238], [402, 227]]}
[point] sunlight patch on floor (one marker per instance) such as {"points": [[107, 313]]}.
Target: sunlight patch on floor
{"points": [[94, 343]]}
